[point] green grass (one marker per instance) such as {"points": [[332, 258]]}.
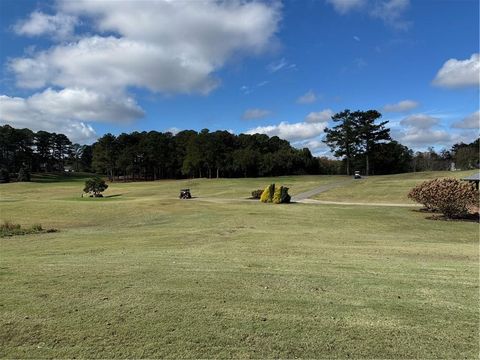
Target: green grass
{"points": [[385, 188], [145, 275]]}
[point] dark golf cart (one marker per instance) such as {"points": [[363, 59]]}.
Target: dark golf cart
{"points": [[185, 194], [357, 175]]}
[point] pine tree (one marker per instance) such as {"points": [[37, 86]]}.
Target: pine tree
{"points": [[369, 134]]}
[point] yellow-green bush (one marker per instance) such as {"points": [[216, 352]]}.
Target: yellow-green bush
{"points": [[267, 195], [281, 195], [277, 196]]}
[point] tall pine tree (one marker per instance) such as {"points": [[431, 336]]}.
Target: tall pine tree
{"points": [[369, 134], [342, 138]]}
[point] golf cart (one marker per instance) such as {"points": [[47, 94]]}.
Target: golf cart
{"points": [[357, 175], [185, 194]]}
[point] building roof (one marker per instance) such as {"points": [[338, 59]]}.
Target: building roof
{"points": [[474, 177]]}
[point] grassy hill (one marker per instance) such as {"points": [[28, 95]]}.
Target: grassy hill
{"points": [[143, 274], [385, 188]]}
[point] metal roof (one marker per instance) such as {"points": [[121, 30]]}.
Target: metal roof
{"points": [[474, 177]]}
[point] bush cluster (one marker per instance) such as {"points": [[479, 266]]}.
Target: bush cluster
{"points": [[277, 195], [452, 197], [7, 228], [267, 194], [257, 194], [281, 195]]}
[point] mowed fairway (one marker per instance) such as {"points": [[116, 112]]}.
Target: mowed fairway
{"points": [[385, 188], [141, 274]]}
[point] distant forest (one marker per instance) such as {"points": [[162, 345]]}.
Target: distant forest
{"points": [[155, 155]]}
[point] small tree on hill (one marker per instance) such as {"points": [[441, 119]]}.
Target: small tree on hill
{"points": [[95, 186]]}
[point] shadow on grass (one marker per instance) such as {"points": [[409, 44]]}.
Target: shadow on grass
{"points": [[47, 178], [437, 215], [468, 218]]}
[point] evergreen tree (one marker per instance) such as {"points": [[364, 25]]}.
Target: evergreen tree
{"points": [[342, 138], [368, 134]]}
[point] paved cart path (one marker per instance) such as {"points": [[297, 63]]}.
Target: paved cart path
{"points": [[323, 202], [318, 190]]}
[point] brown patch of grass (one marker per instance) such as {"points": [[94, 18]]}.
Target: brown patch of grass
{"points": [[10, 229]]}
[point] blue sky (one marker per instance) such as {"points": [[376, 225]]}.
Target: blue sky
{"points": [[89, 67]]}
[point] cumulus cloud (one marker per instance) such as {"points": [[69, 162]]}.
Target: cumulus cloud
{"points": [[345, 6], [422, 130], [424, 138], [173, 49], [316, 146], [290, 132], [471, 121], [401, 106], [459, 73], [319, 116], [419, 121], [67, 111], [308, 98], [251, 114], [38, 23]]}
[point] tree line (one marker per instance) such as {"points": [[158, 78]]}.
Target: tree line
{"points": [[155, 155], [23, 151], [359, 140]]}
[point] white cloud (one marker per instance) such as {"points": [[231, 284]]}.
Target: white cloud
{"points": [[173, 49], [58, 26], [425, 137], [419, 121], [391, 13], [345, 6], [459, 73], [290, 132], [316, 146], [277, 65], [472, 121], [67, 111], [251, 114], [319, 116], [308, 98], [356, 38], [422, 130], [401, 106]]}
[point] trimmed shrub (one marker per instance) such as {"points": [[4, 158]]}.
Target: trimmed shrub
{"points": [[267, 195], [450, 196], [285, 197], [281, 195], [257, 194], [277, 196], [423, 194]]}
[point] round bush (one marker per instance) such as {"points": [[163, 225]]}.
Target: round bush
{"points": [[452, 197]]}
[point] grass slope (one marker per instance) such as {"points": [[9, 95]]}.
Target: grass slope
{"points": [[385, 188], [147, 275]]}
